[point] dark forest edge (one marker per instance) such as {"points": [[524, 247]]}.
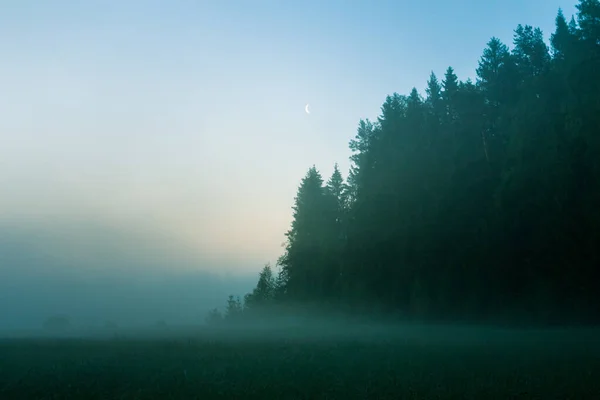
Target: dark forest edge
{"points": [[479, 202]]}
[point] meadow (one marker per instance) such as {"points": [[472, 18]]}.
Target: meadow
{"points": [[346, 363]]}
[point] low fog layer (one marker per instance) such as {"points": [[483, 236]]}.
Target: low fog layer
{"points": [[95, 273], [335, 330]]}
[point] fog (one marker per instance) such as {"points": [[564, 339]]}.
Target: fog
{"points": [[298, 327], [94, 273]]}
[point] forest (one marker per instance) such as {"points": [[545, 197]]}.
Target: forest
{"points": [[477, 201]]}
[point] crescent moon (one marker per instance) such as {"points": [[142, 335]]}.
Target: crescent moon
{"points": [[307, 108]]}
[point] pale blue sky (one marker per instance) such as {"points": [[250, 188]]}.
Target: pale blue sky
{"points": [[185, 119]]}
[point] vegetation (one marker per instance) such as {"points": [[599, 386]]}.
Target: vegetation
{"points": [[478, 201], [414, 366]]}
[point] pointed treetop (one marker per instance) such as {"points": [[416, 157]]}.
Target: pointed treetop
{"points": [[414, 94], [494, 56], [450, 82], [560, 37], [336, 180], [414, 98], [434, 89]]}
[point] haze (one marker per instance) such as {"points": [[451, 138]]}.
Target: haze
{"points": [[150, 153]]}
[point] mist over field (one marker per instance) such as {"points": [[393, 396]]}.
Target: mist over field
{"points": [[95, 273]]}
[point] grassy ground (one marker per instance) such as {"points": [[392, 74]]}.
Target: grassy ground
{"points": [[395, 366]]}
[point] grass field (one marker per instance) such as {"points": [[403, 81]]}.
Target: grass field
{"points": [[424, 363]]}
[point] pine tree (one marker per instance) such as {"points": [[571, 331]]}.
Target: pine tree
{"points": [[234, 308], [264, 292], [337, 188], [530, 51], [588, 19], [306, 252], [450, 86], [495, 73], [434, 99], [561, 38], [361, 147]]}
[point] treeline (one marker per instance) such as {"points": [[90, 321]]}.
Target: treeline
{"points": [[478, 201]]}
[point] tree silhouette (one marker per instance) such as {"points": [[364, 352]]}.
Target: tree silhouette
{"points": [[479, 201]]}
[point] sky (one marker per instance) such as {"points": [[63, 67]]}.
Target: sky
{"points": [[173, 133]]}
